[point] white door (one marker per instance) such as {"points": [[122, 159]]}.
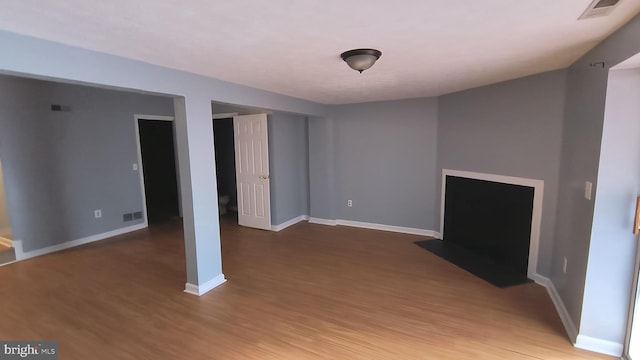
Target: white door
{"points": [[252, 171]]}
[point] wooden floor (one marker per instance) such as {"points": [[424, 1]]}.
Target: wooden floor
{"points": [[307, 292]]}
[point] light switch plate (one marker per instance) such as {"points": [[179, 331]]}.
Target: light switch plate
{"points": [[588, 187]]}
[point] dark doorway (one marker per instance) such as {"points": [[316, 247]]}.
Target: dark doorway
{"points": [[225, 168], [158, 164]]}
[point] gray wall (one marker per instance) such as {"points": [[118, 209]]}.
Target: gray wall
{"points": [[60, 166], [513, 128], [322, 178], [613, 246], [582, 136], [194, 95], [385, 161], [288, 166]]}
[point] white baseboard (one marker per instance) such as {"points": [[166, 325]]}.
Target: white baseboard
{"points": [[580, 341], [569, 326], [540, 280], [200, 290], [322, 221], [288, 223], [21, 255], [373, 226], [598, 345], [17, 247], [398, 229]]}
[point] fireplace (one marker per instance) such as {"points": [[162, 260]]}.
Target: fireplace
{"points": [[492, 216]]}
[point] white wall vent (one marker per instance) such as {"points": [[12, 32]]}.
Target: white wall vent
{"points": [[599, 8]]}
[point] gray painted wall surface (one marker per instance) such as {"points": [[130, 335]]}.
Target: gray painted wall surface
{"points": [[613, 245], [60, 166], [513, 128], [45, 59], [584, 113], [386, 162], [582, 136], [322, 180], [288, 166], [580, 153]]}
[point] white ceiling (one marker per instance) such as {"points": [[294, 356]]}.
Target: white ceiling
{"points": [[292, 47]]}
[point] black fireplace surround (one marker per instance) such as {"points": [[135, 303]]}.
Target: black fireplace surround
{"points": [[489, 219]]}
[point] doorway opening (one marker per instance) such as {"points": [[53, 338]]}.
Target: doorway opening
{"points": [[242, 165], [158, 172], [7, 251], [226, 168]]}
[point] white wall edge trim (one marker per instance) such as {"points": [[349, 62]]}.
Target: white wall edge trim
{"points": [[598, 345], [21, 255], [536, 217], [17, 247], [391, 228], [569, 326], [154, 117], [200, 290], [288, 223], [322, 221]]}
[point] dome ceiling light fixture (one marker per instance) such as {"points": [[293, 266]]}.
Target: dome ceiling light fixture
{"points": [[361, 59]]}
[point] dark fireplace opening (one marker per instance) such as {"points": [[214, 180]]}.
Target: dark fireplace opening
{"points": [[489, 219]]}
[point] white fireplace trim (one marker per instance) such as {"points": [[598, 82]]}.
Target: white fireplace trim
{"points": [[536, 217]]}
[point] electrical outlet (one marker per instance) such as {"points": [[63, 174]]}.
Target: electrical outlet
{"points": [[349, 203], [97, 214], [564, 265], [135, 167]]}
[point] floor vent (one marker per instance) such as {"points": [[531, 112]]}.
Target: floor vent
{"points": [[599, 8]]}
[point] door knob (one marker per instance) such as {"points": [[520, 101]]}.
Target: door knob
{"points": [[264, 177]]}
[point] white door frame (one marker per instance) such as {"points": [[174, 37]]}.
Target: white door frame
{"points": [[222, 116], [136, 119], [536, 217]]}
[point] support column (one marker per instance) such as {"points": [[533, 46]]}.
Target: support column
{"points": [[194, 135]]}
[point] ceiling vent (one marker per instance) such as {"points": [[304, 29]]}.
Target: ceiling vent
{"points": [[599, 8]]}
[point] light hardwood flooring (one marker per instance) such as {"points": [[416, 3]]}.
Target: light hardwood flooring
{"points": [[307, 292]]}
